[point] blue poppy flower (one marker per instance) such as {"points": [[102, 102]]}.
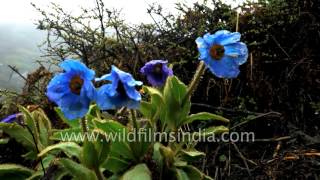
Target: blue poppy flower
{"points": [[73, 89], [223, 53], [157, 72], [11, 118], [120, 92]]}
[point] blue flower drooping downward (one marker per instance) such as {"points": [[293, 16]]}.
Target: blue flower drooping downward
{"points": [[157, 72], [72, 90], [11, 118], [120, 92], [222, 53]]}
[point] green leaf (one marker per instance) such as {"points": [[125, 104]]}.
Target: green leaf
{"points": [[36, 176], [116, 164], [120, 155], [150, 109], [60, 174], [193, 173], [71, 149], [71, 134], [175, 110], [39, 124], [157, 155], [181, 175], [89, 155], [103, 149], [20, 134], [112, 129], [14, 171], [140, 147], [205, 116], [4, 141], [31, 123], [168, 155], [31, 155], [72, 123], [29, 120], [139, 172], [93, 113], [76, 170], [191, 155], [179, 163], [222, 158], [44, 126], [47, 160], [215, 130], [146, 109]]}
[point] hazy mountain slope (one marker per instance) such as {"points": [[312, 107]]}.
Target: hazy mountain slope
{"points": [[18, 47]]}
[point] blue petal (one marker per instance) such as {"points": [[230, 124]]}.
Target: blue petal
{"points": [[10, 118], [221, 33], [113, 77], [167, 71], [156, 82], [103, 100], [132, 93], [224, 68], [228, 38], [77, 67], [238, 51], [204, 53], [148, 70], [148, 67], [202, 47], [109, 98], [209, 39], [126, 78], [74, 106], [88, 90], [201, 43], [74, 111], [58, 87]]}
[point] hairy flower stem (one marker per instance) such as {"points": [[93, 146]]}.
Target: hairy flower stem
{"points": [[134, 119], [195, 81], [84, 126]]}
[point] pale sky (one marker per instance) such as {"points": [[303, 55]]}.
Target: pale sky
{"points": [[133, 11]]}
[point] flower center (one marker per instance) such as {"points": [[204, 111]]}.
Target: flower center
{"points": [[217, 51], [157, 70], [121, 90], [75, 84]]}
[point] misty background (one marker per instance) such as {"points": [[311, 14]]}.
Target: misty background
{"points": [[19, 48]]}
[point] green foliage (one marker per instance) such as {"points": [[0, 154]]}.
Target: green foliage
{"points": [[175, 108], [89, 155], [14, 172], [71, 149], [205, 116], [174, 163], [172, 106], [20, 134], [138, 172], [76, 170]]}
